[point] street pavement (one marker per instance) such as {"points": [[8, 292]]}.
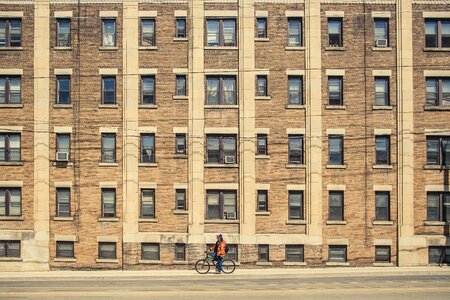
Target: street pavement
{"points": [[279, 284]]}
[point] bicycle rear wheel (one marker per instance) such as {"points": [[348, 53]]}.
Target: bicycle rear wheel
{"points": [[202, 266], [228, 266]]}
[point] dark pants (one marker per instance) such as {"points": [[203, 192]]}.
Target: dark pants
{"points": [[219, 263]]}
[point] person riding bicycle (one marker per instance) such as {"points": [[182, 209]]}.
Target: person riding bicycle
{"points": [[219, 252]]}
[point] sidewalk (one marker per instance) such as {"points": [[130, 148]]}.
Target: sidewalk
{"points": [[273, 272]]}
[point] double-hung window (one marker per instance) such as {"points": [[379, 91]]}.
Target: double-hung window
{"points": [[221, 205], [335, 150], [180, 146], [261, 28], [63, 202], [381, 33], [438, 206], [9, 248], [65, 249], [108, 148], [335, 32], [9, 147], [295, 199], [295, 149], [63, 33], [181, 83], [437, 33], [148, 148], [148, 203], [221, 149], [148, 33], [438, 91], [108, 90], [10, 32], [295, 90], [221, 32], [108, 203], [295, 32], [438, 150], [336, 206], [261, 85], [181, 28], [221, 90], [335, 87], [263, 204], [63, 89], [382, 150], [148, 90], [10, 87], [382, 91], [109, 32], [382, 206], [180, 199], [295, 253], [261, 144], [107, 250], [10, 202], [63, 144]]}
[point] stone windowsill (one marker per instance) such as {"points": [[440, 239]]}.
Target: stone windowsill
{"points": [[108, 48], [295, 166], [264, 263], [221, 48], [262, 156], [381, 107], [104, 164], [11, 218], [180, 156], [385, 264], [180, 39], [382, 166], [263, 213], [433, 108], [6, 105], [148, 48], [222, 221], [435, 167], [436, 223], [260, 39], [336, 166], [334, 48], [266, 98], [227, 106], [11, 259], [180, 97], [180, 212], [108, 106], [59, 48], [180, 262], [385, 223], [296, 222], [294, 48], [436, 49], [335, 107], [104, 260], [11, 163], [149, 262], [62, 105], [65, 259], [143, 220], [210, 165], [62, 218], [381, 49], [294, 263], [108, 219], [295, 106], [338, 264], [62, 163], [148, 165], [5, 48], [336, 222], [148, 106]]}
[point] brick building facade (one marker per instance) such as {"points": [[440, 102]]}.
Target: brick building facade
{"points": [[308, 132]]}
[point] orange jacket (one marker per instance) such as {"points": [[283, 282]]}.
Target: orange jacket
{"points": [[220, 248]]}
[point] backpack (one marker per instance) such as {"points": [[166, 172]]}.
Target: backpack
{"points": [[226, 248]]}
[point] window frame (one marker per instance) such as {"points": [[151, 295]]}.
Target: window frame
{"points": [[104, 90], [337, 259], [379, 258], [289, 258], [221, 204], [59, 78], [260, 253], [8, 22], [113, 214], [177, 202], [339, 213], [386, 95], [58, 27], [439, 85], [386, 22], [158, 252], [221, 89], [180, 150], [262, 149], [261, 34], [339, 137], [379, 153], [262, 206], [151, 158], [8, 79], [442, 214], [152, 203], [341, 91], [60, 135], [144, 93], [438, 27], [7, 250], [104, 20], [7, 150], [291, 100], [100, 251], [302, 150], [8, 202], [59, 212], [443, 257], [177, 86], [232, 248], [221, 33], [302, 205], [299, 35], [221, 152], [440, 153], [177, 28], [340, 43], [378, 213], [261, 92], [179, 246], [71, 252], [141, 25], [108, 135]]}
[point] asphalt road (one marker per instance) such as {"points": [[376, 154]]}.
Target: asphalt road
{"points": [[250, 286]]}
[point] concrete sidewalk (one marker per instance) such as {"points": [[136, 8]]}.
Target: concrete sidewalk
{"points": [[272, 272]]}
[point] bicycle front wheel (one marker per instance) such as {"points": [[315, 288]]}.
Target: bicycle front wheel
{"points": [[202, 266], [228, 266]]}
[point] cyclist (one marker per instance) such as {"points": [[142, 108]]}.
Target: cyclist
{"points": [[219, 252]]}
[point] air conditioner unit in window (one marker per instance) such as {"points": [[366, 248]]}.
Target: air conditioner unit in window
{"points": [[381, 43], [62, 156], [230, 215], [229, 159]]}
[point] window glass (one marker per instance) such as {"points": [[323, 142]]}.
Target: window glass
{"points": [[335, 150], [446, 91], [181, 28], [213, 32], [63, 33], [213, 149], [64, 249], [381, 29], [63, 202], [262, 200], [382, 150], [334, 91], [382, 254], [148, 203], [334, 32], [108, 148], [295, 90], [180, 252], [2, 32], [261, 27], [295, 29], [433, 200], [148, 32], [63, 90], [445, 35], [296, 205], [148, 90], [14, 90], [181, 85], [295, 149], [213, 90], [109, 203], [263, 253], [294, 253], [229, 32], [338, 253], [107, 250], [336, 206], [382, 206], [229, 90], [261, 85], [181, 199], [109, 32], [213, 205]]}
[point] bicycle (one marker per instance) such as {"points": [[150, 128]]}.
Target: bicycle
{"points": [[202, 266]]}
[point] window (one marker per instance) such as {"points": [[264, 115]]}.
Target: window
{"points": [[109, 32], [262, 200], [181, 28], [295, 32], [181, 85], [336, 205], [63, 144], [382, 149], [10, 32], [221, 90], [180, 143], [438, 206], [437, 33], [108, 203], [438, 91], [63, 35], [381, 33], [382, 205], [9, 248], [221, 149], [337, 253], [261, 85], [108, 147], [10, 202], [438, 150], [221, 205], [382, 254], [335, 150], [295, 253], [295, 149], [221, 32], [295, 90], [150, 251], [148, 203], [106, 250], [335, 96], [65, 249], [261, 28], [296, 205], [148, 33], [438, 255], [108, 90], [263, 253], [10, 87], [262, 144], [180, 252], [382, 91], [63, 90], [63, 202], [232, 252], [181, 199], [9, 147], [335, 32], [148, 148], [148, 90]]}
